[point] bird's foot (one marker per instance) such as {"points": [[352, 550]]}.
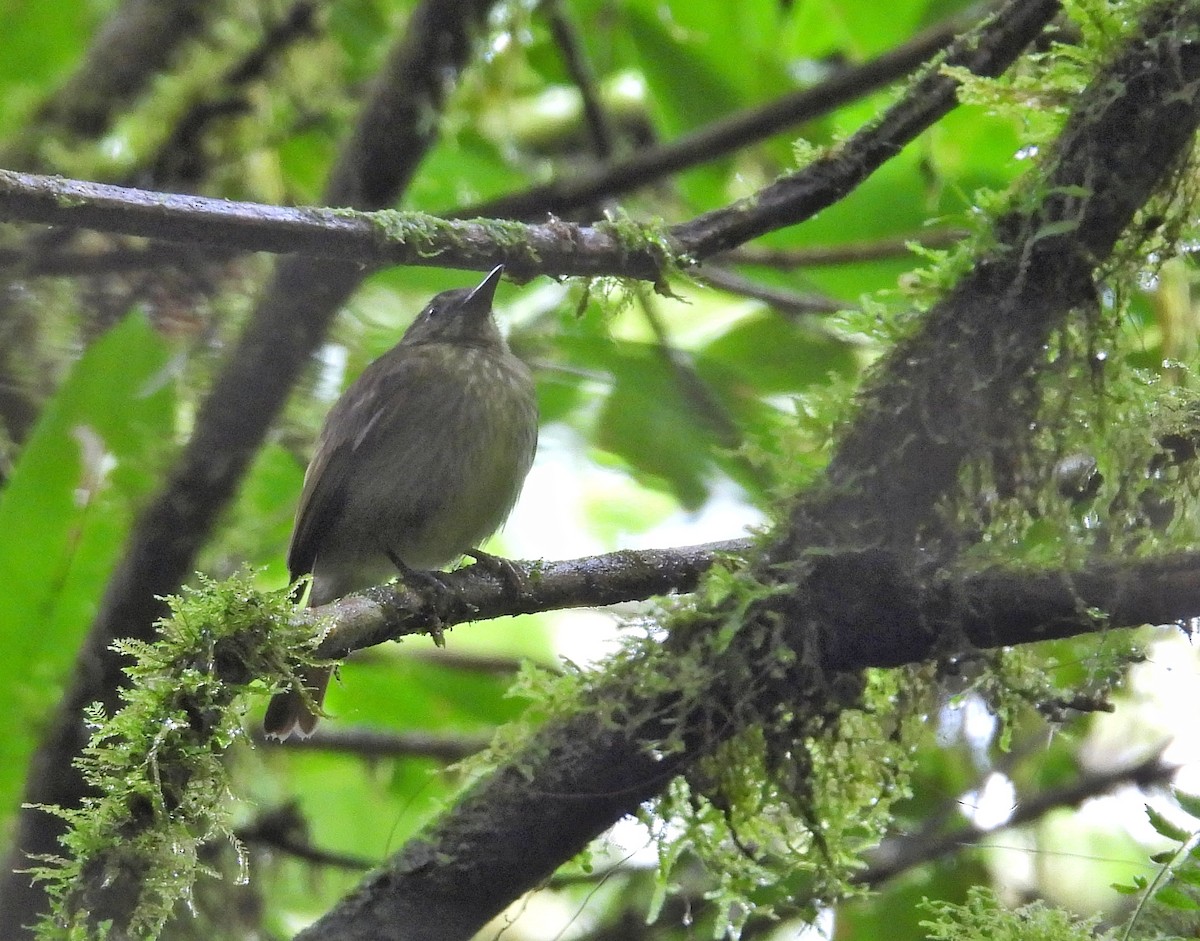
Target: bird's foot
{"points": [[505, 570], [434, 592]]}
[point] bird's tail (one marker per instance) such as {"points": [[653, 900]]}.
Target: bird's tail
{"points": [[290, 712]]}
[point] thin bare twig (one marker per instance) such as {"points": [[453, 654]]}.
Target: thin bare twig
{"points": [[382, 743], [813, 256], [901, 854], [792, 303], [566, 37]]}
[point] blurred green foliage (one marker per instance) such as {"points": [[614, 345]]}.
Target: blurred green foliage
{"points": [[680, 397]]}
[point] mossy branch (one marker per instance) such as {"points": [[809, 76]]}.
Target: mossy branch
{"points": [[156, 765], [159, 786]]}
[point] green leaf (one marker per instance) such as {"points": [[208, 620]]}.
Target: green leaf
{"points": [[1175, 898], [42, 42], [1187, 875], [772, 355], [1189, 802], [65, 513], [692, 79], [648, 420], [1165, 827], [460, 170]]}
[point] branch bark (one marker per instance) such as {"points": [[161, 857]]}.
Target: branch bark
{"points": [[866, 597]]}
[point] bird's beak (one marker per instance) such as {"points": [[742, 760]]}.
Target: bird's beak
{"points": [[481, 297]]}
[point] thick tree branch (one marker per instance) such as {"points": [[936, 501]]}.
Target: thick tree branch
{"points": [[874, 602], [331, 234], [476, 594]]}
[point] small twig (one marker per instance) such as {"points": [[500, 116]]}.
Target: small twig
{"points": [[575, 60], [285, 831], [381, 743], [902, 854], [818, 255], [467, 661], [788, 302]]}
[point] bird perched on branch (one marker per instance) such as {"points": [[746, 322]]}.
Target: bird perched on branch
{"points": [[418, 462]]}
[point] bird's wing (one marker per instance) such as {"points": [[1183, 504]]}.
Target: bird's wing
{"points": [[383, 399], [324, 495]]}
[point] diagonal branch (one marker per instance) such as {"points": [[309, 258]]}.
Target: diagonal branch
{"points": [[904, 853]]}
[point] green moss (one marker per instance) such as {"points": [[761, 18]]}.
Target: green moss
{"points": [[982, 917], [637, 236], [156, 765]]}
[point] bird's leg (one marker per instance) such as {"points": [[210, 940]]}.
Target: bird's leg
{"points": [[434, 592], [505, 570]]}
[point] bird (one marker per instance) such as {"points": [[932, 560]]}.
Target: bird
{"points": [[418, 462]]}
